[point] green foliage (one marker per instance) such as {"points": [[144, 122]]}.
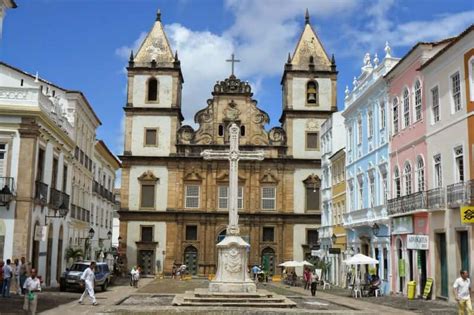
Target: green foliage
{"points": [[74, 253]]}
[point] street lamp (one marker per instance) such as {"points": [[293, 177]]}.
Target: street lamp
{"points": [[376, 230], [333, 239], [6, 196]]}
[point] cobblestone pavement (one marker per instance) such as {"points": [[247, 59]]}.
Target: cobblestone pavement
{"points": [[418, 306]]}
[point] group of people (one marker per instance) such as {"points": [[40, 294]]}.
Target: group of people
{"points": [[311, 280], [135, 276], [13, 276], [178, 272]]}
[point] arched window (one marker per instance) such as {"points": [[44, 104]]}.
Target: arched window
{"points": [[221, 130], [370, 123], [242, 131], [420, 173], [398, 186], [152, 90], [359, 129], [406, 108], [407, 176], [395, 115], [312, 93], [417, 100]]}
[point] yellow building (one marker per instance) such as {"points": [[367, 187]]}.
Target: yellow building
{"points": [[338, 187]]}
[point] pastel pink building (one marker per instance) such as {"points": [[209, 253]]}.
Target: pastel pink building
{"points": [[408, 199]]}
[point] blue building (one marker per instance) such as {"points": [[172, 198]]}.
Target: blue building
{"points": [[367, 166]]}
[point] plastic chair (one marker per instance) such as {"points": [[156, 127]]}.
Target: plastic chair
{"points": [[377, 292], [354, 292], [325, 283]]}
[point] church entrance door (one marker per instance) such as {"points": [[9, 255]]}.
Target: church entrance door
{"points": [[146, 261], [268, 260], [190, 259]]}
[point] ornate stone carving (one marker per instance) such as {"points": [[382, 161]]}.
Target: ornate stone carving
{"points": [[231, 112], [277, 136], [232, 260], [312, 181], [148, 176], [268, 177], [312, 124], [185, 135], [193, 175], [232, 85]]}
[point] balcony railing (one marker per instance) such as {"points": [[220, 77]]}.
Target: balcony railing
{"points": [[41, 192], [436, 198], [7, 181], [460, 194], [81, 214], [407, 203], [58, 198]]}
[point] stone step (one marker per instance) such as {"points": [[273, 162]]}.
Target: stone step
{"points": [[232, 300], [232, 304]]}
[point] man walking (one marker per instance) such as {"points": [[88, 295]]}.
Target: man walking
{"points": [[7, 278], [88, 276], [462, 293], [31, 286], [23, 273]]}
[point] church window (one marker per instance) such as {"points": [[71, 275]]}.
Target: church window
{"points": [[146, 233], [152, 90], [312, 198], [242, 131], [151, 137], [312, 93], [221, 130], [268, 234], [224, 195], [312, 141], [192, 196], [268, 198], [312, 237], [147, 196], [191, 232]]}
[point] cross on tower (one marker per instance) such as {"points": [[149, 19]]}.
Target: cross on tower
{"points": [[233, 61], [233, 155]]}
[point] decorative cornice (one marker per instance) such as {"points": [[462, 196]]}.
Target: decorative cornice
{"points": [[232, 85]]}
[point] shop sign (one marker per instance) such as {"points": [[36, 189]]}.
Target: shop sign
{"points": [[421, 242], [401, 267], [467, 215], [41, 233], [402, 225]]}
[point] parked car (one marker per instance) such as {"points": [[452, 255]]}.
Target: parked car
{"points": [[71, 278]]}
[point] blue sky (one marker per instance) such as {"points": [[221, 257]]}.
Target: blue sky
{"points": [[84, 45]]}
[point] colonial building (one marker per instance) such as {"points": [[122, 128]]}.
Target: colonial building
{"points": [[174, 203], [332, 140], [365, 113], [408, 151], [448, 85]]}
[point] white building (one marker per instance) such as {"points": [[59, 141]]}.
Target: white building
{"points": [[333, 138]]}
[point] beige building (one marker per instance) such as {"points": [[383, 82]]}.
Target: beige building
{"points": [[174, 203]]}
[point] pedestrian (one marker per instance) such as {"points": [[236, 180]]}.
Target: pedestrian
{"points": [[31, 286], [16, 276], [132, 274], [173, 272], [306, 279], [7, 278], [23, 273], [88, 278], [1, 276], [136, 277], [462, 293], [314, 283]]}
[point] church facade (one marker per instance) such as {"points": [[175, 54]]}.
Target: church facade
{"points": [[174, 203]]}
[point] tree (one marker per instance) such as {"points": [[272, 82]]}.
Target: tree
{"points": [[73, 254]]}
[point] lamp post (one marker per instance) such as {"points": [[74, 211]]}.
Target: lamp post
{"points": [[6, 196]]}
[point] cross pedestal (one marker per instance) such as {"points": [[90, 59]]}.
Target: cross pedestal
{"points": [[232, 264]]}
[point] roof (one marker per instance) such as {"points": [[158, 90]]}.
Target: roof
{"points": [[337, 152], [106, 149], [155, 46], [451, 44], [56, 86], [443, 41]]}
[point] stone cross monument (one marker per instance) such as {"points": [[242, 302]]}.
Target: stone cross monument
{"points": [[231, 275]]}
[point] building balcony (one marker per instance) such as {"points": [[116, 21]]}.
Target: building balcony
{"points": [[366, 216], [41, 192], [460, 194], [57, 199], [436, 198], [405, 204]]}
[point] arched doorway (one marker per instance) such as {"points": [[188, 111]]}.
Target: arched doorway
{"points": [[268, 260], [49, 255], [59, 259], [190, 259], [36, 245]]}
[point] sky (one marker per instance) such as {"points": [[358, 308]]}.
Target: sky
{"points": [[84, 44]]}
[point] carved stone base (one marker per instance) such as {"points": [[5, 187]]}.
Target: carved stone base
{"points": [[232, 275]]}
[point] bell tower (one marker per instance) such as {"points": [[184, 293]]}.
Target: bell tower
{"points": [[309, 93], [153, 109]]}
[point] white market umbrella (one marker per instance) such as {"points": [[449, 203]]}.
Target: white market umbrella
{"points": [[306, 263], [291, 263], [360, 259]]}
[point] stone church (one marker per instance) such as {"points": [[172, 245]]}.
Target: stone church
{"points": [[174, 203]]}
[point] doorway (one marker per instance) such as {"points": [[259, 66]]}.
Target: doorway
{"points": [[146, 261], [268, 260], [49, 255], [443, 263], [400, 268], [423, 275], [35, 249], [59, 258], [190, 259]]}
